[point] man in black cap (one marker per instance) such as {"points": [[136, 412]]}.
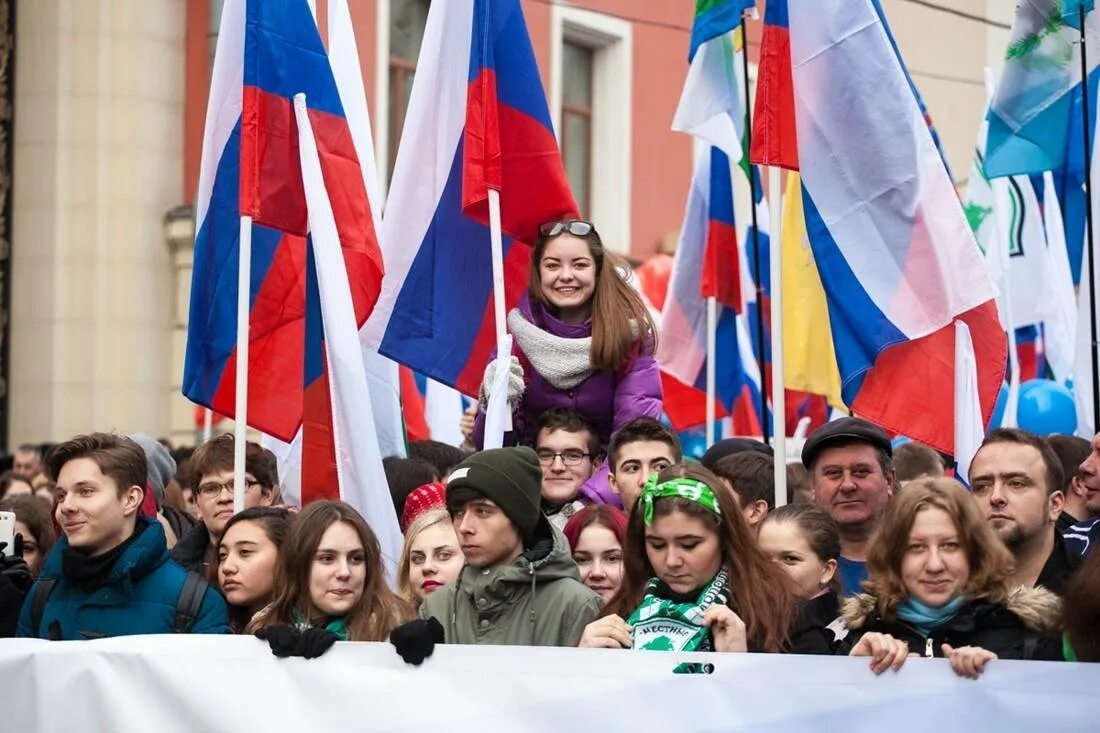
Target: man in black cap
{"points": [[852, 476], [520, 585]]}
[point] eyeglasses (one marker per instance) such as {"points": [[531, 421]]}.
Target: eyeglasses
{"points": [[576, 227], [570, 457], [214, 489]]}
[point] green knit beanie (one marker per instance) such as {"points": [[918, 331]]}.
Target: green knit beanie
{"points": [[510, 478]]}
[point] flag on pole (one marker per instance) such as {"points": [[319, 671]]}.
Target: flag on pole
{"points": [[1061, 325], [266, 52], [711, 106], [1030, 115], [714, 18], [358, 462], [774, 140], [897, 270], [476, 75], [1071, 11], [969, 420], [681, 351]]}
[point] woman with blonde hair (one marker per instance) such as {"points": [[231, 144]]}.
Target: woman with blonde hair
{"points": [[431, 557], [938, 586], [330, 585]]}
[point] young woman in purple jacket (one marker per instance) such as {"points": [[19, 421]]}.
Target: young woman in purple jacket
{"points": [[583, 339]]}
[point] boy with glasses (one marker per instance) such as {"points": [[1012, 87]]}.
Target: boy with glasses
{"points": [[568, 452], [212, 486]]}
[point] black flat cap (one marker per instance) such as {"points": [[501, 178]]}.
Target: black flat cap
{"points": [[844, 430]]}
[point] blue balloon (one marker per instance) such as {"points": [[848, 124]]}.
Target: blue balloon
{"points": [[1046, 407], [998, 409], [900, 440], [693, 444]]}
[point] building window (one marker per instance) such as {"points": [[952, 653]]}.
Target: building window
{"points": [[576, 120], [407, 21]]}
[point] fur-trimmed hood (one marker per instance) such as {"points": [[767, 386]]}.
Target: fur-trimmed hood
{"points": [[1037, 608]]}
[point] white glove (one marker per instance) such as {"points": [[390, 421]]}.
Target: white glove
{"points": [[515, 381]]}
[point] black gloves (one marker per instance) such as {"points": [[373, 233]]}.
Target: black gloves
{"points": [[14, 567], [416, 640], [288, 641]]}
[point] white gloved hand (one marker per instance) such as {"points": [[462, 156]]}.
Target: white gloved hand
{"points": [[515, 381]]}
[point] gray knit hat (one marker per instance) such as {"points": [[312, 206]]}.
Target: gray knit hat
{"points": [[162, 467], [510, 478]]}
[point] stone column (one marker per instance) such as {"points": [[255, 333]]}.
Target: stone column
{"points": [[97, 163]]}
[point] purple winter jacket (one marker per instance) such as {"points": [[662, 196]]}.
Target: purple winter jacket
{"points": [[610, 399]]}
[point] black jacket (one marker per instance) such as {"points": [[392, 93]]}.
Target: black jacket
{"points": [[193, 549], [1060, 567], [1015, 629], [810, 632]]}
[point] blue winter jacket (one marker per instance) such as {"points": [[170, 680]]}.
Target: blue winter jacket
{"points": [[139, 596]]}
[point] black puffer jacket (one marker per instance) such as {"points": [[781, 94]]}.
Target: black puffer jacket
{"points": [[1015, 629]]}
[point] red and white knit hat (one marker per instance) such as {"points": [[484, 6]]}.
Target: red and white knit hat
{"points": [[420, 500]]}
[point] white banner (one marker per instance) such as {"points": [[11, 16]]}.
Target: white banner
{"points": [[234, 684]]}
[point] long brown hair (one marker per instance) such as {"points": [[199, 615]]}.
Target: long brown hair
{"points": [[275, 524], [760, 592], [378, 610], [991, 563], [620, 320]]}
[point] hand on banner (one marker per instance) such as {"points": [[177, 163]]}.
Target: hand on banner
{"points": [[727, 628], [287, 641], [416, 640], [968, 661], [515, 381], [609, 632], [885, 651]]}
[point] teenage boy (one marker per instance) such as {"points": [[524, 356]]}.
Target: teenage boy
{"points": [[640, 448]]}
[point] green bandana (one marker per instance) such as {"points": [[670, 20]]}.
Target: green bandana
{"points": [[684, 488], [665, 625]]}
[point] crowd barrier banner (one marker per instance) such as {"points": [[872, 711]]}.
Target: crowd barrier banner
{"points": [[204, 683]]}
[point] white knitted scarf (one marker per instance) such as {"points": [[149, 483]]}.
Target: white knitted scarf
{"points": [[563, 362]]}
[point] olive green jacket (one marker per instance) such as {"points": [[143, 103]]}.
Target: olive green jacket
{"points": [[536, 600]]}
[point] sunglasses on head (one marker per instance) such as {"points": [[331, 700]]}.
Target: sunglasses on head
{"points": [[576, 227]]}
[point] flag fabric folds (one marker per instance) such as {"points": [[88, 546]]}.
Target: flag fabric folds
{"points": [[480, 120], [1030, 115], [268, 51], [969, 421], [715, 17], [893, 249], [774, 139]]}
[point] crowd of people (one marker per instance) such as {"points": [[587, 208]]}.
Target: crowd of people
{"points": [[589, 529]]}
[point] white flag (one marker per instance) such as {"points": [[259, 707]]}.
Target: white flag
{"points": [[969, 431], [358, 459], [443, 408], [1059, 330]]}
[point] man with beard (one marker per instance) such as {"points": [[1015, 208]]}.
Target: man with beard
{"points": [[1017, 480]]}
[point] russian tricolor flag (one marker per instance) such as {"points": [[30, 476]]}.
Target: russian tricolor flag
{"points": [[896, 256], [477, 119], [682, 347], [267, 52]]}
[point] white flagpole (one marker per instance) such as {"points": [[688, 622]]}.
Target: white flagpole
{"points": [[504, 347], [240, 415], [779, 407], [712, 357], [207, 424]]}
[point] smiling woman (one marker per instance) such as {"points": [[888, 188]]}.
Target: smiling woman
{"points": [[939, 586], [329, 586], [583, 340]]}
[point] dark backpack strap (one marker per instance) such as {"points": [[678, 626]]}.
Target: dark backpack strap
{"points": [[189, 603], [40, 594]]}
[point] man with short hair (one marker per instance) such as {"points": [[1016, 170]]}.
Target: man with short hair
{"points": [[110, 574], [27, 462], [569, 452], [751, 476], [640, 448], [913, 460], [1072, 452], [212, 486], [1016, 478], [851, 471], [1083, 537], [520, 585]]}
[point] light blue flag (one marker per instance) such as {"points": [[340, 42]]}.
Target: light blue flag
{"points": [[1029, 117], [1071, 11]]}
